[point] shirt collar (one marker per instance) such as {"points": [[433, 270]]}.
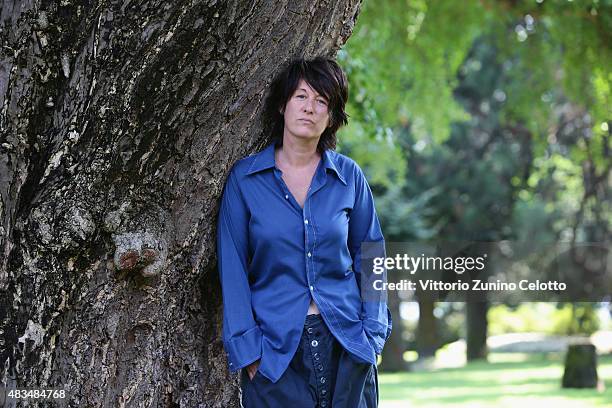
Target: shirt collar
{"points": [[265, 160], [330, 163]]}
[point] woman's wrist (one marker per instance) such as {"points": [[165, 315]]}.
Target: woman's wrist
{"points": [[252, 368]]}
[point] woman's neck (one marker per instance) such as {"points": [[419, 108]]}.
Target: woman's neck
{"points": [[298, 154]]}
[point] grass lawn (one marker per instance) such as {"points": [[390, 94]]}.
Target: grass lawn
{"points": [[509, 380]]}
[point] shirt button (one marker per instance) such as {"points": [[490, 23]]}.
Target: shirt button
{"points": [[311, 288], [306, 222], [322, 380], [309, 254], [286, 196], [314, 343]]}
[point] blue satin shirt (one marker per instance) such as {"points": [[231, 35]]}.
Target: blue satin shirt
{"points": [[275, 256]]}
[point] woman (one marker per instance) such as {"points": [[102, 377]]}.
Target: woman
{"points": [[291, 224]]}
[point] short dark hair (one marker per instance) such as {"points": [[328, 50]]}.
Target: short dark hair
{"points": [[326, 77]]}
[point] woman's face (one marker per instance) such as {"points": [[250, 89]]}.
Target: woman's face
{"points": [[306, 113]]}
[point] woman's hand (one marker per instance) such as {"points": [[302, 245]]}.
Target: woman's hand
{"points": [[252, 368]]}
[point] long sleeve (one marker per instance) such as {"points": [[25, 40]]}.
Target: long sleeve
{"points": [[365, 235], [241, 334]]}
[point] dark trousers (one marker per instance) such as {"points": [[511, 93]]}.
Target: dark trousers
{"points": [[321, 374]]}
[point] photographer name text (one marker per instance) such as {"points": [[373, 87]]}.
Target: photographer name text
{"points": [[474, 285]]}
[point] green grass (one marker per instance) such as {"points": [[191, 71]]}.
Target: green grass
{"points": [[509, 381]]}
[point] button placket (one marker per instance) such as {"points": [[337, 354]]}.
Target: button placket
{"points": [[309, 278], [318, 364], [308, 244], [313, 334]]}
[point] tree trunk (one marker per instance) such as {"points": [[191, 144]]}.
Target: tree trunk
{"points": [[427, 341], [477, 324], [393, 353], [580, 366], [120, 121]]}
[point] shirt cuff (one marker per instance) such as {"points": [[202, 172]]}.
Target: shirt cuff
{"points": [[378, 332], [244, 349]]}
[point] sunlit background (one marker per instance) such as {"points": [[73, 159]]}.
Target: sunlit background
{"points": [[486, 120]]}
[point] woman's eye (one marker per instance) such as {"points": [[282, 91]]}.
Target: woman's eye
{"points": [[300, 96], [322, 102]]}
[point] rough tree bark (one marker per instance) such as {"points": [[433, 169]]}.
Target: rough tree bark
{"points": [[120, 121]]}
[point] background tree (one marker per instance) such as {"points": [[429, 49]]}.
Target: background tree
{"points": [[119, 122], [502, 108]]}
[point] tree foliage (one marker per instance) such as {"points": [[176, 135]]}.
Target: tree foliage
{"points": [[538, 82], [484, 120]]}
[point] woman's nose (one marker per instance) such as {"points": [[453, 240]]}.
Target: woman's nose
{"points": [[308, 105]]}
